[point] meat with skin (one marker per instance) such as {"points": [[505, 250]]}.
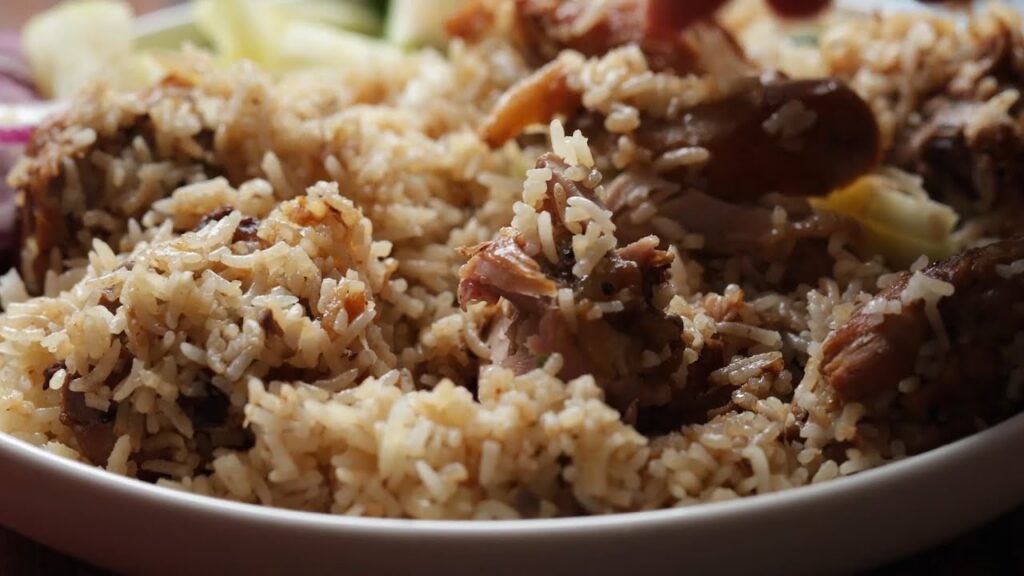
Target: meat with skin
{"points": [[501, 268], [610, 345], [865, 359], [536, 99]]}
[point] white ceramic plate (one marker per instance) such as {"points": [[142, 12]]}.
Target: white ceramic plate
{"points": [[841, 526], [838, 526]]}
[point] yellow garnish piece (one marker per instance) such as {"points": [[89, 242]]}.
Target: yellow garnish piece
{"points": [[900, 221]]}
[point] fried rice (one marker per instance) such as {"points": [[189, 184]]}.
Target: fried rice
{"points": [[248, 286]]}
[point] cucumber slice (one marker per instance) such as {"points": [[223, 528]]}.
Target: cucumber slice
{"points": [[306, 44], [354, 16], [419, 22], [67, 45], [240, 29]]}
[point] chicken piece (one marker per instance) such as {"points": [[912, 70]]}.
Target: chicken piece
{"points": [[611, 328], [60, 159], [865, 359], [967, 145], [796, 137], [970, 167]]}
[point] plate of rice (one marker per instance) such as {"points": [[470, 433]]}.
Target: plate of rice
{"points": [[489, 286]]}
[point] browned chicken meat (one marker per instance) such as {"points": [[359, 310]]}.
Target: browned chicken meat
{"points": [[939, 341], [608, 327]]}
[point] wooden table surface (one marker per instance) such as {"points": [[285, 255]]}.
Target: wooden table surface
{"points": [[993, 550]]}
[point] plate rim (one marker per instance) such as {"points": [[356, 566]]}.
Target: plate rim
{"points": [[933, 461]]}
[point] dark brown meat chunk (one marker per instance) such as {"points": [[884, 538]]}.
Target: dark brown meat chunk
{"points": [[49, 373], [208, 410], [548, 27], [706, 395], [662, 19], [866, 358], [796, 137], [872, 353], [93, 429], [673, 15], [246, 231]]}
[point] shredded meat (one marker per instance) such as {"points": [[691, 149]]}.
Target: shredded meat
{"points": [[611, 346], [865, 359], [501, 268]]}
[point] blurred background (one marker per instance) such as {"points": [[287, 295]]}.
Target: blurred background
{"points": [[14, 13]]}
